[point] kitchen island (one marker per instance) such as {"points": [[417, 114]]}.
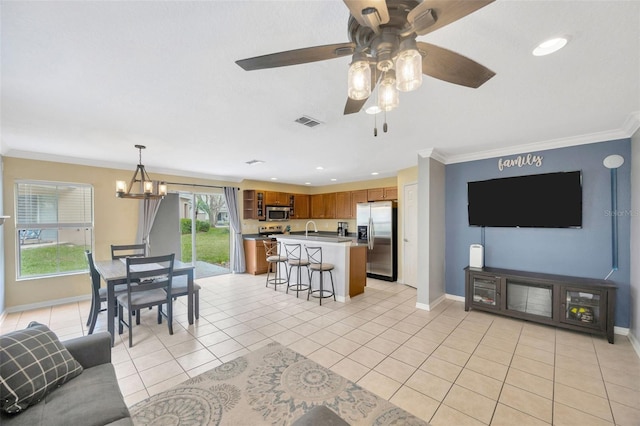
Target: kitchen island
{"points": [[347, 272]]}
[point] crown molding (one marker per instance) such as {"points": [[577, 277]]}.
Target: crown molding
{"points": [[40, 156], [630, 126], [433, 153]]}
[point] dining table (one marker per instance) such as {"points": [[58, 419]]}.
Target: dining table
{"points": [[114, 272]]}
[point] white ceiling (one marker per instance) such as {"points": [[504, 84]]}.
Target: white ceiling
{"points": [[83, 81]]}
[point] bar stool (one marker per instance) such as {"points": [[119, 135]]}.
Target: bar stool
{"points": [[294, 259], [314, 254], [272, 250]]}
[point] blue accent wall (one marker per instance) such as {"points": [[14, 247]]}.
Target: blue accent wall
{"points": [[584, 252]]}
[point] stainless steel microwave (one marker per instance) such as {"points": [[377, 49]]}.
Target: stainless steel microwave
{"points": [[277, 213]]}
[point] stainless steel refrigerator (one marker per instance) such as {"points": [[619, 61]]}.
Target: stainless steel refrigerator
{"points": [[377, 227]]}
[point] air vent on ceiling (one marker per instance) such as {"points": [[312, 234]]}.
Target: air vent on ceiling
{"points": [[308, 121]]}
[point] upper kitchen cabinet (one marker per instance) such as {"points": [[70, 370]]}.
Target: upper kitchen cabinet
{"points": [[343, 205], [347, 201], [299, 204], [272, 198], [382, 194], [361, 196], [323, 206], [253, 204]]}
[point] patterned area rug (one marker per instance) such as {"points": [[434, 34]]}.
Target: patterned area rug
{"points": [[272, 385]]}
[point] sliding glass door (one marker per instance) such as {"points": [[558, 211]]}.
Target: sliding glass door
{"points": [[204, 224]]}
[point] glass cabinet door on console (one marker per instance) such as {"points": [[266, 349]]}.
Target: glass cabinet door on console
{"points": [[583, 307], [486, 291], [530, 298]]}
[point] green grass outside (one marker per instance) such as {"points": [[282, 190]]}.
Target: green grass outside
{"points": [[211, 247], [53, 259]]}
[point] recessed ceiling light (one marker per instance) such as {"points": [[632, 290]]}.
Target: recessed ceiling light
{"points": [[274, 178], [333, 179], [375, 173], [549, 46], [307, 183], [319, 168], [373, 109]]}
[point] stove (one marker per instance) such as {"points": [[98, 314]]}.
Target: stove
{"points": [[270, 230]]}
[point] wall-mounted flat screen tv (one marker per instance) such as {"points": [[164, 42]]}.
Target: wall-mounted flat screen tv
{"points": [[548, 200]]}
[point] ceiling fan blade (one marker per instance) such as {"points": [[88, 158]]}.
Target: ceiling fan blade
{"points": [[352, 106], [357, 6], [452, 67], [444, 12], [298, 56]]}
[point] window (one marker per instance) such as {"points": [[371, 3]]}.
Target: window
{"points": [[54, 226]]}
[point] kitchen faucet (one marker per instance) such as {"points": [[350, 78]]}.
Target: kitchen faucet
{"points": [[306, 228]]}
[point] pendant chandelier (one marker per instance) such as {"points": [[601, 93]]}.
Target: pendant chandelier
{"points": [[147, 188]]}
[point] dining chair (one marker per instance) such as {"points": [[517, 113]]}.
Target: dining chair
{"points": [[148, 284], [314, 254], [121, 251], [98, 293], [179, 287]]}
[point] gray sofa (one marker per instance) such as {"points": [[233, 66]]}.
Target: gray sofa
{"points": [[92, 398]]}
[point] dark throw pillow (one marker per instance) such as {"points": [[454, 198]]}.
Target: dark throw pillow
{"points": [[32, 363]]}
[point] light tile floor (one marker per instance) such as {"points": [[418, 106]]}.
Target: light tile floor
{"points": [[447, 366]]}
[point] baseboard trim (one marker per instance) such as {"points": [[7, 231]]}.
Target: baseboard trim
{"points": [[47, 303], [621, 331], [431, 306], [634, 343], [454, 297]]}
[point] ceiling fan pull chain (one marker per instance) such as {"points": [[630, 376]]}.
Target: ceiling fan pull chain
{"points": [[375, 125], [384, 126]]}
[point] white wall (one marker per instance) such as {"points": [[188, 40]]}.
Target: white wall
{"points": [[1, 242], [436, 231], [635, 242], [431, 233]]}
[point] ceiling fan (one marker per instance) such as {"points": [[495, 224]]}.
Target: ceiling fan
{"points": [[385, 52]]}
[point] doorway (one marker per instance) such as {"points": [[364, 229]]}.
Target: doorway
{"points": [[205, 236], [410, 235]]}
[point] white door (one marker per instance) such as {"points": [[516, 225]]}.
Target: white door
{"points": [[410, 235]]}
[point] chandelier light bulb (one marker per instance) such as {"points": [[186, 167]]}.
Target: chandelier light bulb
{"points": [[409, 70], [388, 97], [359, 81]]}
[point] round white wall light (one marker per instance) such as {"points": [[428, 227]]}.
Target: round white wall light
{"points": [[613, 161]]}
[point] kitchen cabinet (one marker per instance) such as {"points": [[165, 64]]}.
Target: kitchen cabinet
{"points": [[360, 196], [255, 256], [299, 205], [382, 194], [253, 204], [347, 202], [357, 269], [343, 205], [323, 206], [272, 198], [580, 304]]}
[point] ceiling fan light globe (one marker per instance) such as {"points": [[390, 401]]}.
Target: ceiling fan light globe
{"points": [[408, 70], [359, 80], [388, 97]]}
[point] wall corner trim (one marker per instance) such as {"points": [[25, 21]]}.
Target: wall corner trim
{"points": [[433, 153]]}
